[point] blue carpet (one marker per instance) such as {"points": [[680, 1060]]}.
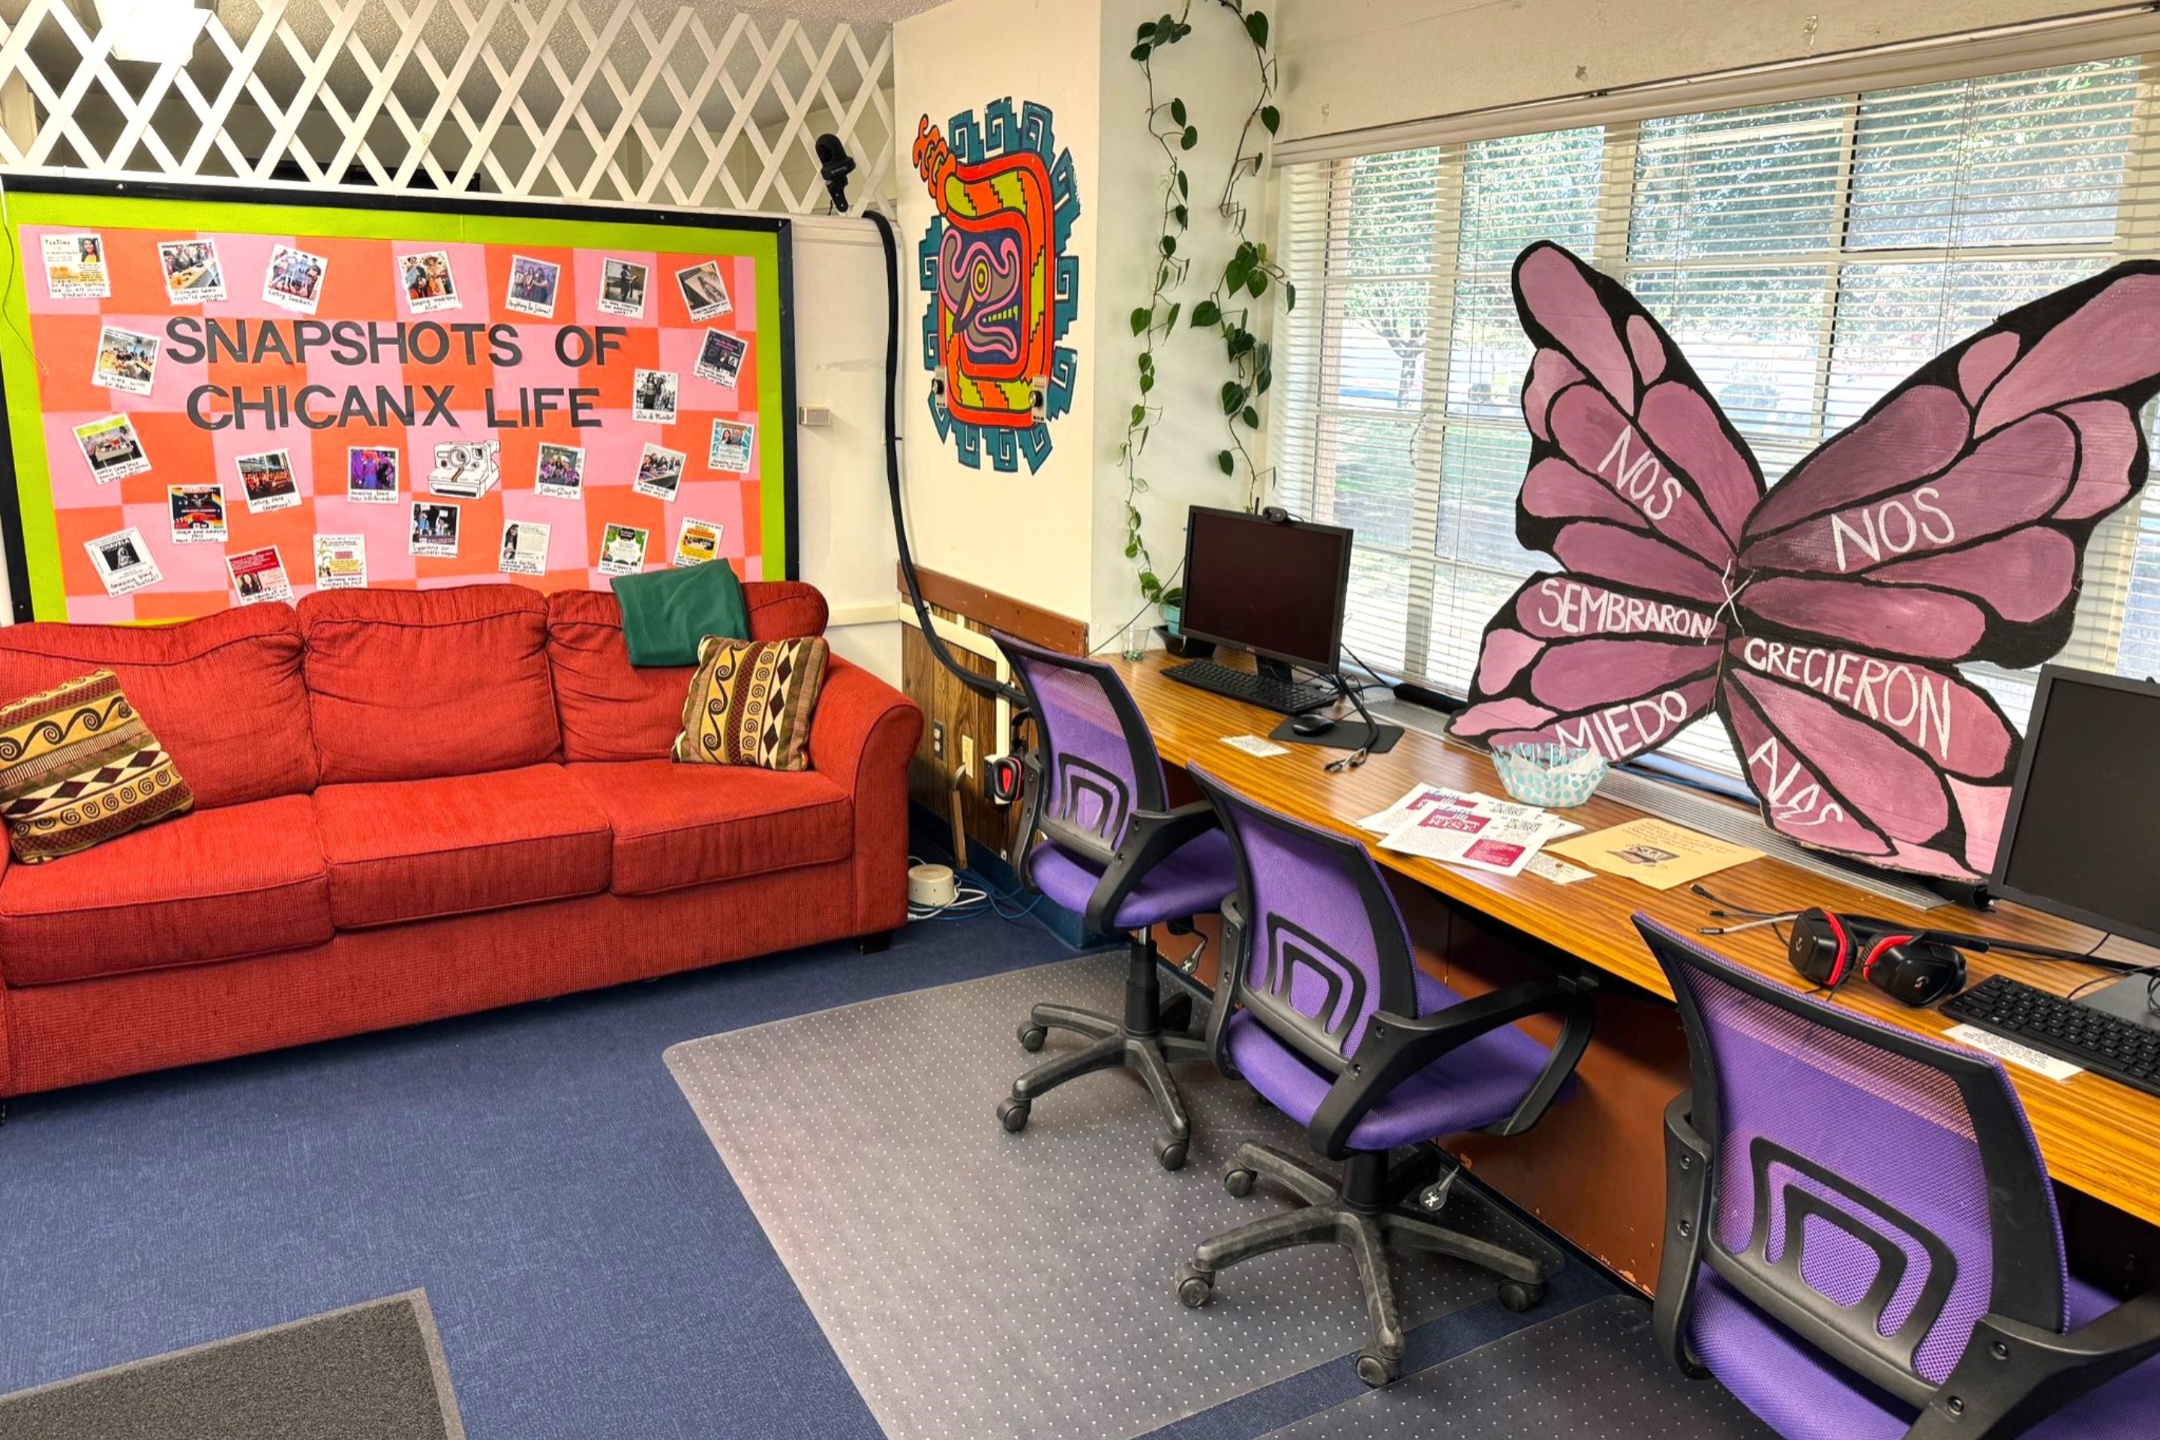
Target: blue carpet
{"points": [[592, 1268]]}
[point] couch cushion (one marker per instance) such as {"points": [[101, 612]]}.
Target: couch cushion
{"points": [[680, 825], [224, 695], [751, 703], [412, 849], [612, 710], [78, 768], [407, 684], [212, 885]]}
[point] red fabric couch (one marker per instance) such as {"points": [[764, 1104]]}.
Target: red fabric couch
{"points": [[414, 804]]}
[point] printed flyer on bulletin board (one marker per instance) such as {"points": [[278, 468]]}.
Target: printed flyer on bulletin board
{"points": [[224, 402]]}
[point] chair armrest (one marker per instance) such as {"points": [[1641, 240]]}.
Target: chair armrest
{"points": [[1394, 1048], [861, 738], [1150, 840], [2012, 1376], [1687, 1211]]}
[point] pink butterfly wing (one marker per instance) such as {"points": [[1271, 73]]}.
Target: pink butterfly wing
{"points": [[1636, 477], [1950, 522], [1591, 665], [1901, 762]]}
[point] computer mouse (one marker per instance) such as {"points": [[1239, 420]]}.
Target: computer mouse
{"points": [[1314, 724]]}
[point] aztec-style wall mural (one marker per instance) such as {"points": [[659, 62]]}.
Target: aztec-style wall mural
{"points": [[1003, 286], [1823, 620]]}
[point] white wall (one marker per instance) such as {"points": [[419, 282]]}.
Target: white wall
{"points": [[1349, 64], [1027, 536]]}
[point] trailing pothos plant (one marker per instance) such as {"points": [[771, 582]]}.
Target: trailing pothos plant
{"points": [[1244, 280]]}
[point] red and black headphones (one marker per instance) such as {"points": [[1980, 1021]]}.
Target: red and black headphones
{"points": [[1918, 967]]}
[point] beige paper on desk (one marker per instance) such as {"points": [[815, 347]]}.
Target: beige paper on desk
{"points": [[1654, 852]]}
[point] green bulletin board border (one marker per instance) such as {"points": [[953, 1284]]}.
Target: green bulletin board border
{"points": [[32, 541]]}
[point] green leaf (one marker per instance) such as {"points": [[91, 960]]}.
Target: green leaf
{"points": [[1132, 549], [1169, 321], [1141, 52], [1147, 381], [1169, 245], [1289, 296], [1257, 283], [1262, 380], [1147, 28], [1227, 462], [1139, 319], [1184, 217], [1206, 313], [1256, 26], [1271, 117], [1139, 414], [1149, 585], [1190, 138], [1251, 417], [1177, 110], [1184, 186], [1233, 396]]}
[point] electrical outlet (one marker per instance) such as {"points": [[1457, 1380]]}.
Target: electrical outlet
{"points": [[967, 753], [937, 739]]}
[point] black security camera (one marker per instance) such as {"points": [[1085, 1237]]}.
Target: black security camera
{"points": [[835, 164]]}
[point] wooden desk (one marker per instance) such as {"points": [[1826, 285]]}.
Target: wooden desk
{"points": [[2099, 1137]]}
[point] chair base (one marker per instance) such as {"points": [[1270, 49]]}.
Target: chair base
{"points": [[1148, 1041], [1356, 1214]]}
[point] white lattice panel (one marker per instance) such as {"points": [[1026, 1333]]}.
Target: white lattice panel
{"points": [[649, 102]]}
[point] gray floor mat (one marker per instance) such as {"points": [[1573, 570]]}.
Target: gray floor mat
{"points": [[981, 1284], [372, 1372], [1592, 1372]]}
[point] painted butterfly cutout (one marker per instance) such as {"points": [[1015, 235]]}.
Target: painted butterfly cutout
{"points": [[1823, 620]]}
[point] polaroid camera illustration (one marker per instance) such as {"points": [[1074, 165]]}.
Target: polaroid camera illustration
{"points": [[467, 469], [1824, 619]]}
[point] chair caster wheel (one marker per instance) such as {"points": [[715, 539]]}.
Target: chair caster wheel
{"points": [[1013, 1114], [1172, 1154], [1032, 1037], [1238, 1181], [1377, 1368], [1193, 1288], [1518, 1297]]}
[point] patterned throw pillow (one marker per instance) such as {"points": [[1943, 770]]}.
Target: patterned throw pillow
{"points": [[78, 767], [750, 703]]}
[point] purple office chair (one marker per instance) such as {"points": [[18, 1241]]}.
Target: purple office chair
{"points": [[1099, 837], [1861, 1239], [1323, 1010]]}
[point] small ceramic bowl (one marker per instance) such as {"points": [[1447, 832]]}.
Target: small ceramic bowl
{"points": [[1558, 777]]}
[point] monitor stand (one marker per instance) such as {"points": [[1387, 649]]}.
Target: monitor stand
{"points": [[1276, 670], [2125, 1000]]}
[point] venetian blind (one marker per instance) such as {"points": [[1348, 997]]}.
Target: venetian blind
{"points": [[1806, 255]]}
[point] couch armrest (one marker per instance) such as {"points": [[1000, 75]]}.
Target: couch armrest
{"points": [[862, 737]]}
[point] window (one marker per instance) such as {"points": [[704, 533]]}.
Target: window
{"points": [[1806, 255]]}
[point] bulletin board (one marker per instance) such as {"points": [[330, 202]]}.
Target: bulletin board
{"points": [[217, 397]]}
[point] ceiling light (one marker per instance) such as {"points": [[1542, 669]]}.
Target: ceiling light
{"points": [[158, 31]]}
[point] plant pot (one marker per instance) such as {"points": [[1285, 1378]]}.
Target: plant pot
{"points": [[1184, 647]]}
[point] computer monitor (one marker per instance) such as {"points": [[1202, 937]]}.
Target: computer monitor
{"points": [[2081, 838], [1275, 587]]}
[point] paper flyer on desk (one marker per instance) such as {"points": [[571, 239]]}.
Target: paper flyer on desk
{"points": [[1490, 835]]}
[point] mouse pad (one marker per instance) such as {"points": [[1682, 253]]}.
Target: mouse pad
{"points": [[1347, 735]]}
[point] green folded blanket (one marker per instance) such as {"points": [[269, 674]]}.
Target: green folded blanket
{"points": [[665, 613]]}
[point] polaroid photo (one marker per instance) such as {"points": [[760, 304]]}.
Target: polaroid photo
{"points": [[659, 472], [192, 271], [267, 481], [732, 444], [126, 360], [704, 291], [75, 267], [112, 448], [434, 529], [654, 395], [198, 514], [466, 469], [697, 542], [428, 282], [524, 548], [560, 473], [622, 288], [371, 474], [341, 562], [532, 287], [294, 279], [123, 561], [258, 576], [720, 358], [622, 549]]}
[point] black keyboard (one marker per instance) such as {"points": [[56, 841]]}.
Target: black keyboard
{"points": [[1293, 697], [2104, 1044]]}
